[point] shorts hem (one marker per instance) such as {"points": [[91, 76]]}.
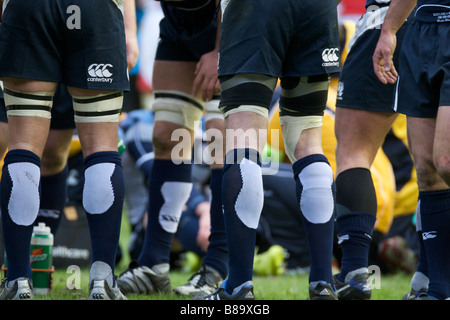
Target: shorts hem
{"points": [[359, 107], [29, 77]]}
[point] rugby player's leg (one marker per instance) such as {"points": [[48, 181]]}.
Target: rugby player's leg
{"points": [[3, 138], [428, 138], [242, 194], [302, 103], [96, 117], [246, 124], [171, 176], [359, 135], [29, 104]]}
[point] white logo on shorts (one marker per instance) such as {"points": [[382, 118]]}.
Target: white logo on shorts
{"points": [[340, 90], [330, 57], [429, 235], [100, 72]]}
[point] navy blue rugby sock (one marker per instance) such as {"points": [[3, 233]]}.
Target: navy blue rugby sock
{"points": [[435, 213], [217, 255], [242, 196], [315, 194], [356, 207], [20, 181], [103, 197], [169, 189]]}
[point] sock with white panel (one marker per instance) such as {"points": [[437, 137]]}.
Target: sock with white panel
{"points": [[169, 189], [103, 196], [20, 188], [243, 197], [315, 195]]}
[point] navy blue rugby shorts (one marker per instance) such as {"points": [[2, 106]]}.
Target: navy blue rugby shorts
{"points": [[186, 35], [423, 83], [79, 43], [283, 38], [359, 87]]}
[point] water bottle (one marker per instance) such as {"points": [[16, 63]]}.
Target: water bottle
{"points": [[41, 257]]}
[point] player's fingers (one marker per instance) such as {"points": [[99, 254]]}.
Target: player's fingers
{"points": [[197, 83], [390, 72], [208, 89], [378, 67]]}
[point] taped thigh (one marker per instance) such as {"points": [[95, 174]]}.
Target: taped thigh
{"points": [[302, 103], [212, 109], [304, 96], [100, 108], [177, 107], [36, 104], [292, 128], [247, 92]]}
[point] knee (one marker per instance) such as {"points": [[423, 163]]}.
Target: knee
{"points": [[428, 176], [167, 136], [442, 164]]}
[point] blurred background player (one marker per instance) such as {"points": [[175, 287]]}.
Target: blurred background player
{"points": [[185, 83], [255, 50], [364, 116], [30, 81], [422, 93]]}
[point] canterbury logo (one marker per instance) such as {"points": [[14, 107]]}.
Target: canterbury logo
{"points": [[100, 70], [97, 296], [329, 55], [25, 296], [429, 235], [169, 218]]}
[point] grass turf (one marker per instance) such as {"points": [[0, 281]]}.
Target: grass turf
{"points": [[280, 287]]}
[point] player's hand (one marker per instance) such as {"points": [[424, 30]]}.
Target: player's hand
{"points": [[382, 58], [206, 77], [132, 50]]}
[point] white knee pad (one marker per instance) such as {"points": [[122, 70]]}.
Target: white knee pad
{"points": [[177, 107], [25, 179], [175, 196], [292, 128], [100, 108], [98, 193], [317, 200], [36, 104]]}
